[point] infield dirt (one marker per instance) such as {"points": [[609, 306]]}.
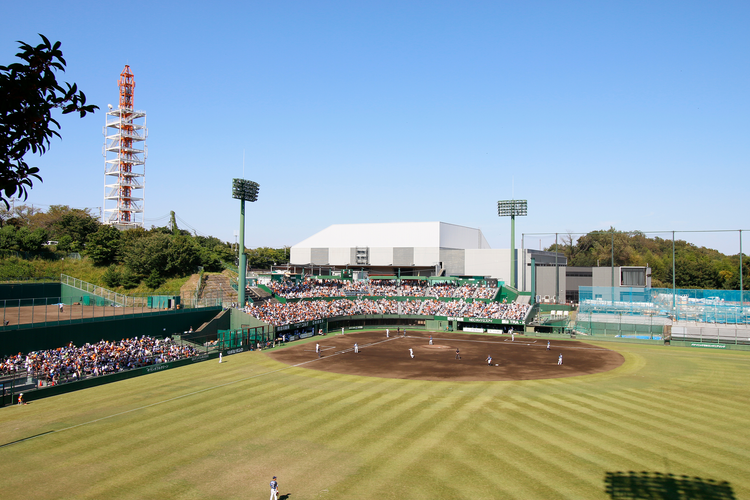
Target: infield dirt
{"points": [[522, 359]]}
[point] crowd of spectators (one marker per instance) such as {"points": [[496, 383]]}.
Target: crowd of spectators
{"points": [[309, 288], [278, 314], [71, 363], [315, 288], [496, 310]]}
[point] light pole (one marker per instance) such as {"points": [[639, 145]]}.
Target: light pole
{"points": [[511, 208], [243, 190]]}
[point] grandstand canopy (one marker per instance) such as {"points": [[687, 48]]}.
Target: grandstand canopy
{"points": [[397, 234]]}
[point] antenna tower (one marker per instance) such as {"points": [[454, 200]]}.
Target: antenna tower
{"points": [[125, 154]]}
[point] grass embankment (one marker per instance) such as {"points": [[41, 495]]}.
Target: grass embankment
{"points": [[221, 431], [83, 269]]}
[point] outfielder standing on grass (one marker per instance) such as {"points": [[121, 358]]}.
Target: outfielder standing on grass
{"points": [[274, 489]]}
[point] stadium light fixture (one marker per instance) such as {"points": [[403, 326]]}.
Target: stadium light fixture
{"points": [[512, 208], [243, 190]]}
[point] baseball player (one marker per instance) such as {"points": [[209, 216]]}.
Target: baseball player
{"points": [[489, 360], [274, 489], [317, 349], [411, 353], [430, 339], [220, 360], [342, 330], [356, 349], [458, 353], [548, 345], [559, 360], [387, 333]]}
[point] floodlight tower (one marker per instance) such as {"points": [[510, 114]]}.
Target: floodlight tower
{"points": [[243, 190], [124, 159], [511, 208]]}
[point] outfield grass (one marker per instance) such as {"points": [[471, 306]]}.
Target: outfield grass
{"points": [[221, 431]]}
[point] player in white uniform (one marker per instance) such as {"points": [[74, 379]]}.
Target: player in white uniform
{"points": [[342, 330], [220, 358], [356, 349], [559, 360], [317, 349], [411, 353], [489, 360], [274, 489], [387, 333], [548, 345], [430, 339]]}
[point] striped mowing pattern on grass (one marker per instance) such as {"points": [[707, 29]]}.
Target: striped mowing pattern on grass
{"points": [[222, 431]]}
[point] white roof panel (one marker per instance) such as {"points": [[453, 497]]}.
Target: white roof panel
{"points": [[396, 234]]}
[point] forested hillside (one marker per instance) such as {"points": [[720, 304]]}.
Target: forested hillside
{"points": [[696, 267], [125, 258]]}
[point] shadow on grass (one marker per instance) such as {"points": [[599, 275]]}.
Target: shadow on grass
{"points": [[657, 486]]}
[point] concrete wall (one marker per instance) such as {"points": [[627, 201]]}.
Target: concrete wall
{"points": [[300, 255], [403, 256], [319, 256], [340, 256], [493, 263], [426, 256], [453, 261], [381, 256]]}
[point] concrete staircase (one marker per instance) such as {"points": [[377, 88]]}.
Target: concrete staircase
{"points": [[218, 285]]}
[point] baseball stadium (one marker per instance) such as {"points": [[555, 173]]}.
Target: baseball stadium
{"points": [[385, 361]]}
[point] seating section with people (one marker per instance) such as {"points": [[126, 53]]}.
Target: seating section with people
{"points": [[315, 288], [71, 363], [282, 314]]}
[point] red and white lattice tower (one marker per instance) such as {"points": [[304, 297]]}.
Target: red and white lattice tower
{"points": [[125, 153]]}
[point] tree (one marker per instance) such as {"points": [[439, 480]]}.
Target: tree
{"points": [[78, 225], [112, 277], [29, 92], [154, 280], [104, 245]]}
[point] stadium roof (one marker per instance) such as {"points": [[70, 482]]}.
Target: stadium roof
{"points": [[397, 234]]}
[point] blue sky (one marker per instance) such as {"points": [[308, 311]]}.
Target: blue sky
{"points": [[627, 114]]}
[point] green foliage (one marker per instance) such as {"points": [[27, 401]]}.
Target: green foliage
{"points": [[182, 256], [104, 245], [154, 280], [29, 92], [145, 254], [696, 267], [129, 279], [265, 257], [15, 268], [65, 243], [112, 277], [78, 226], [8, 238]]}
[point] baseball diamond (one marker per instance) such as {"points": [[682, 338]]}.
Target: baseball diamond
{"points": [[524, 359]]}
